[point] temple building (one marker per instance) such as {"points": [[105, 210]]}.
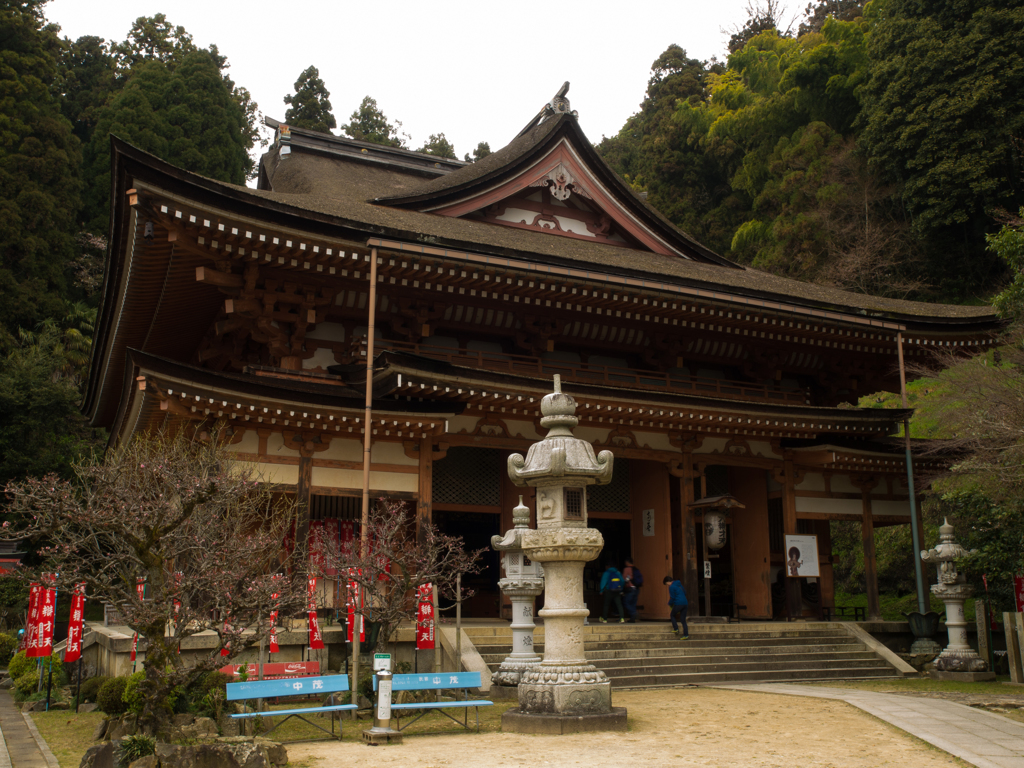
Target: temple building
{"points": [[250, 307]]}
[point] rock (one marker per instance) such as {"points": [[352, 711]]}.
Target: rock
{"points": [[126, 726], [205, 726], [183, 719], [6, 684], [106, 755], [149, 761], [91, 706], [235, 739], [101, 730], [243, 755], [276, 753], [59, 705], [229, 726]]}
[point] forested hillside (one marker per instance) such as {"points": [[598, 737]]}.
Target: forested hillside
{"points": [[873, 148]]}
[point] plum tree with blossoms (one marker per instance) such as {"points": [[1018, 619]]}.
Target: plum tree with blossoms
{"points": [[199, 528]]}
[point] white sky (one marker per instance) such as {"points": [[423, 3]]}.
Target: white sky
{"points": [[447, 66]]}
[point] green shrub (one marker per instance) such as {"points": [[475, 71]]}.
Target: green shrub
{"points": [[27, 683], [132, 695], [8, 645], [111, 696], [91, 688], [136, 747], [19, 665]]}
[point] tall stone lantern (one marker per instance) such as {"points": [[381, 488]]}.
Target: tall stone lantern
{"points": [[524, 580], [563, 693], [953, 590]]}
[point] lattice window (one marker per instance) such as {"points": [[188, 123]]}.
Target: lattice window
{"points": [[613, 497], [717, 479], [468, 476], [348, 508], [574, 503]]}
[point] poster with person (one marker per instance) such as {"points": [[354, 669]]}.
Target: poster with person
{"points": [[802, 555]]}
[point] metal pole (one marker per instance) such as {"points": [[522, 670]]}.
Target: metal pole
{"points": [[437, 635], [915, 531], [367, 438], [458, 622]]}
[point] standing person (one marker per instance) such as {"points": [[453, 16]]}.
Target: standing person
{"points": [[612, 585], [677, 601], [634, 580]]}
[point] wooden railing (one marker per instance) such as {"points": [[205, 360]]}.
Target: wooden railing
{"points": [[600, 374]]}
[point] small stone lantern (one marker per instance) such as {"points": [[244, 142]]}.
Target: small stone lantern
{"points": [[563, 691], [524, 580], [953, 590]]}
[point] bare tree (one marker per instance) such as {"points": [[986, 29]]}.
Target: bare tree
{"points": [[762, 16], [397, 562], [201, 531]]}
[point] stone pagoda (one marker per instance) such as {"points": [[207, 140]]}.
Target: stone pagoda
{"points": [[958, 660], [564, 693], [524, 580]]}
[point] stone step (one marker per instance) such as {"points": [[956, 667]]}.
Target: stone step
{"points": [[712, 666], [686, 648], [749, 676], [666, 635], [738, 659]]}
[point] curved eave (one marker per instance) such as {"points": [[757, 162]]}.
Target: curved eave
{"points": [[567, 127]]}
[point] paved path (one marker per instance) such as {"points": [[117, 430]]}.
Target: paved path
{"points": [[981, 738], [20, 743]]}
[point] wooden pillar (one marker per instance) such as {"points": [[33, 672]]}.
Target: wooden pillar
{"points": [[425, 505], [692, 567], [302, 494], [867, 528], [794, 600]]}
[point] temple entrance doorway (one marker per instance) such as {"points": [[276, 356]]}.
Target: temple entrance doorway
{"points": [[617, 547], [476, 529]]}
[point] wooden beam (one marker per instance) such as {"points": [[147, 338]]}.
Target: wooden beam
{"points": [[219, 279], [424, 507], [794, 599]]}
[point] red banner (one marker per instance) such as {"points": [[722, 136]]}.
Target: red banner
{"points": [[324, 535], [425, 618], [316, 641], [35, 592], [40, 642], [226, 650], [73, 651], [1018, 592], [135, 644], [273, 626], [354, 594], [140, 588]]}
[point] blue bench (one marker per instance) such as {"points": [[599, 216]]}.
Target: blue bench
{"points": [[305, 686], [442, 681]]}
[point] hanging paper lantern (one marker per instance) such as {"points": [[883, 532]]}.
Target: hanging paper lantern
{"points": [[714, 529]]}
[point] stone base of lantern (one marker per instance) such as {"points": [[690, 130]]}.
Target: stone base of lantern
{"points": [[965, 660], [517, 721], [503, 692], [962, 677]]}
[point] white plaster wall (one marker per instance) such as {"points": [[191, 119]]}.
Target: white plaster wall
{"points": [[352, 479], [894, 508], [391, 453], [285, 474], [250, 443], [323, 357], [850, 507], [460, 423], [343, 449], [712, 445], [276, 446], [813, 481], [842, 484], [657, 440], [591, 434], [327, 332]]}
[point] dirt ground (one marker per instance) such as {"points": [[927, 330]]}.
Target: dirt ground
{"points": [[680, 727]]}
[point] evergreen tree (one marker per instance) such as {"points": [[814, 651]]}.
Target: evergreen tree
{"points": [[153, 38], [483, 149], [39, 160], [818, 12], [310, 105], [439, 146], [88, 78], [189, 116], [370, 124], [944, 117]]}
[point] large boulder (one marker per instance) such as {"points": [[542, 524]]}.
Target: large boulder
{"points": [[245, 755], [105, 755]]}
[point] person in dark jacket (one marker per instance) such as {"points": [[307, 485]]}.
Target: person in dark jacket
{"points": [[678, 603], [612, 585]]}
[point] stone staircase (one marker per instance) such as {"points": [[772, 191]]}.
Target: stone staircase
{"points": [[648, 655]]}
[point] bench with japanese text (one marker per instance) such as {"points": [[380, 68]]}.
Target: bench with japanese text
{"points": [[441, 681], [303, 686]]}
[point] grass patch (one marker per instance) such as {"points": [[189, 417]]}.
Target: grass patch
{"points": [[894, 608], [926, 685], [67, 734]]}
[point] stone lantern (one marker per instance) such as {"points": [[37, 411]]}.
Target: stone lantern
{"points": [[953, 590], [524, 580], [563, 693]]}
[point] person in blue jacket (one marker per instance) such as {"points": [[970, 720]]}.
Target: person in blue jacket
{"points": [[677, 602], [612, 585]]}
